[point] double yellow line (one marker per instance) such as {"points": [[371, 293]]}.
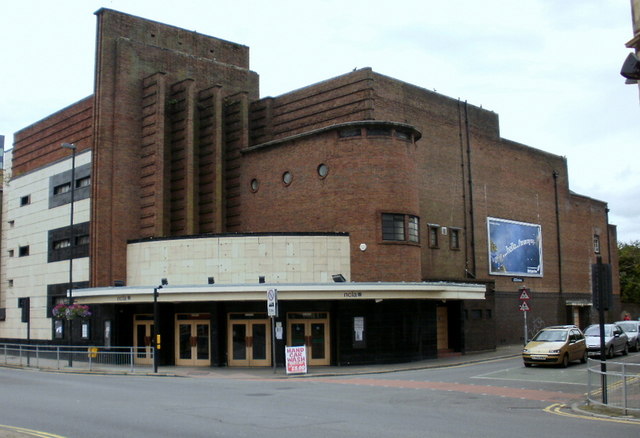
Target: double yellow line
{"points": [[30, 432], [557, 409]]}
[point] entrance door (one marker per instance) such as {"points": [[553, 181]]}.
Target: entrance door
{"points": [[142, 333], [442, 328], [312, 330], [249, 340], [192, 340]]}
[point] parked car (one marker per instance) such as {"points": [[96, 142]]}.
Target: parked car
{"points": [[632, 329], [557, 345], [615, 340]]}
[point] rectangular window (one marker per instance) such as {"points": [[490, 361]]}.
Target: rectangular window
{"points": [[400, 227], [82, 240], [596, 244], [413, 227], [433, 236], [62, 188], [349, 132], [11, 252], [62, 243], [83, 182], [393, 227], [25, 200], [386, 132], [454, 238], [23, 251], [403, 135]]}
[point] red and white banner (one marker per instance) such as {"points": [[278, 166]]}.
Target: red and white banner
{"points": [[296, 358]]}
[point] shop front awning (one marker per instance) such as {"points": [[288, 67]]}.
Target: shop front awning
{"points": [[351, 291]]}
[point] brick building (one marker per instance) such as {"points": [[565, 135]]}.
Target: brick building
{"points": [[395, 223]]}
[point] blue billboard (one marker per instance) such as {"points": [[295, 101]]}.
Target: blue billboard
{"points": [[515, 248]]}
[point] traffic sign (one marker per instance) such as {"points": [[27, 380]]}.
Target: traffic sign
{"points": [[524, 294], [524, 307], [272, 302]]}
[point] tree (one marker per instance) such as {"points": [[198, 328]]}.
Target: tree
{"points": [[629, 258]]}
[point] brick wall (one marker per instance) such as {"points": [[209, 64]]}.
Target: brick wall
{"points": [[367, 177], [39, 144], [152, 178]]}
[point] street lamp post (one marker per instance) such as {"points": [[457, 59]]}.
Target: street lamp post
{"points": [[71, 236], [156, 324]]}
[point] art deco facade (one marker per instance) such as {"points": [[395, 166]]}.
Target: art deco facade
{"points": [[184, 173]]}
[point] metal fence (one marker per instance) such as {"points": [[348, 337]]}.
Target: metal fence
{"points": [[70, 357], [618, 387]]}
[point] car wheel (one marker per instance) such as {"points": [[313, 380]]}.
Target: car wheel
{"points": [[626, 350], [565, 361], [610, 352], [583, 359], [527, 364], [637, 345]]}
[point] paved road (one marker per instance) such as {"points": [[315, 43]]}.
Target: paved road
{"points": [[497, 398]]}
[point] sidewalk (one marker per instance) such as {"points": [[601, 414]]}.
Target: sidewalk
{"points": [[325, 371], [84, 367]]}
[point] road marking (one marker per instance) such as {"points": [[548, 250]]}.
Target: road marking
{"points": [[30, 432], [556, 409], [519, 379]]}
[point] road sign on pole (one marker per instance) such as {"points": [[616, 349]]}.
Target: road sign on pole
{"points": [[272, 302], [525, 296]]}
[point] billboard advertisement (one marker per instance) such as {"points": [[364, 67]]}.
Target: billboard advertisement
{"points": [[515, 248]]}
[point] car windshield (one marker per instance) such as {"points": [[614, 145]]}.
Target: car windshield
{"points": [[630, 327], [594, 330], [551, 336]]}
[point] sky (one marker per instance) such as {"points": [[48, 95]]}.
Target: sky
{"points": [[549, 68]]}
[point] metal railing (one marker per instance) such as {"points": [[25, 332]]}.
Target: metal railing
{"points": [[72, 357], [618, 387]]}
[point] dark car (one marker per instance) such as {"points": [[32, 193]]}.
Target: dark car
{"points": [[615, 340]]}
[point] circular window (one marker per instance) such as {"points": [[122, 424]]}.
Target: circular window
{"points": [[287, 177], [323, 170], [255, 184]]}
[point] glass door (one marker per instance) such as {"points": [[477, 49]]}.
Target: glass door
{"points": [[312, 330], [142, 333], [249, 340], [193, 340]]}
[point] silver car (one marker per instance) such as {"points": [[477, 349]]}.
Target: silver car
{"points": [[615, 340], [632, 329]]}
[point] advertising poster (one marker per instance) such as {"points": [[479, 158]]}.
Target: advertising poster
{"points": [[515, 248], [296, 358]]}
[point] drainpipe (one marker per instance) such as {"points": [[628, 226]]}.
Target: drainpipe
{"points": [[560, 317], [464, 191], [558, 239], [470, 182]]}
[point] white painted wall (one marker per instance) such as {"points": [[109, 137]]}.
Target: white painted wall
{"points": [[31, 223], [239, 260]]}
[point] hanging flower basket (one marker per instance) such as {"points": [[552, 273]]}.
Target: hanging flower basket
{"points": [[72, 311]]}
